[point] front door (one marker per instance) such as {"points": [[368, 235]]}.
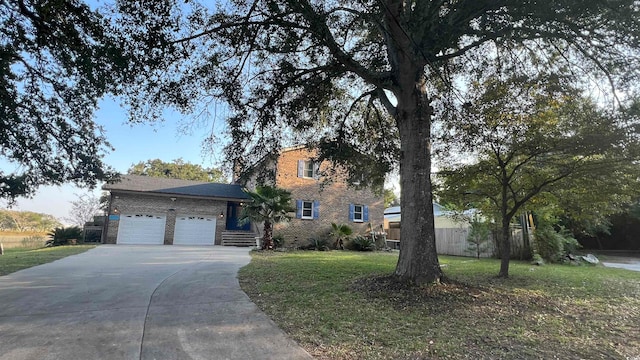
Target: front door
{"points": [[233, 213]]}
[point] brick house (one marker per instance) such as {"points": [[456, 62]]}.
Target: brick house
{"points": [[319, 203], [148, 210]]}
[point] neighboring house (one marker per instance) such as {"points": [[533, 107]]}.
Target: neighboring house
{"points": [[442, 219], [319, 202], [150, 210]]}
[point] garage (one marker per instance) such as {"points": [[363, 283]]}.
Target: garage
{"points": [[195, 230], [141, 229]]}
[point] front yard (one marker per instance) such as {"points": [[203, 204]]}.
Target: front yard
{"points": [[339, 305], [20, 258]]}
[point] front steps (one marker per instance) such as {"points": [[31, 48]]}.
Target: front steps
{"points": [[238, 238]]}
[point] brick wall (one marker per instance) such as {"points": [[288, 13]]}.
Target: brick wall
{"points": [[334, 198], [127, 203]]}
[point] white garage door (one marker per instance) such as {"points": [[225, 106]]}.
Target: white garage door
{"points": [[195, 230], [141, 229]]}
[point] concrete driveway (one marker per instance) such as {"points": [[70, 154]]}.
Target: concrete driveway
{"points": [[137, 302], [627, 263]]}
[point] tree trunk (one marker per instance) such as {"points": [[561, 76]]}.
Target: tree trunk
{"points": [[505, 255], [267, 238], [418, 260]]}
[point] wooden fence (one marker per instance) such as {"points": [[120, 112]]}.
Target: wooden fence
{"points": [[453, 241]]}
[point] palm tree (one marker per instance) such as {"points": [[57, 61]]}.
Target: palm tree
{"points": [[340, 233], [269, 205]]}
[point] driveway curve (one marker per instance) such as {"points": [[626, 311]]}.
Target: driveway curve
{"points": [[137, 302]]}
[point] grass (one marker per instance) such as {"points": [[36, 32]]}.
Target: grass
{"points": [[344, 305], [18, 259], [31, 240]]}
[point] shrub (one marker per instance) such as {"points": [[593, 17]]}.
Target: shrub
{"points": [[278, 241], [553, 245], [63, 236], [33, 241], [361, 243], [340, 233], [537, 260], [318, 243]]}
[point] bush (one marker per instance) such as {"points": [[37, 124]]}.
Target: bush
{"points": [[340, 233], [554, 245], [278, 241], [64, 236], [361, 243], [318, 243], [537, 260], [33, 241]]}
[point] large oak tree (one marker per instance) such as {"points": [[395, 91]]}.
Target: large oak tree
{"points": [[56, 61], [363, 80]]}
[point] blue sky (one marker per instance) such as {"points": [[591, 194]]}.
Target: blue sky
{"points": [[133, 143]]}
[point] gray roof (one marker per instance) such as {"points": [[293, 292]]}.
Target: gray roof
{"points": [[148, 184]]}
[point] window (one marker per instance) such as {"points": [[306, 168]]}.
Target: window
{"points": [[358, 213], [307, 209], [307, 169]]}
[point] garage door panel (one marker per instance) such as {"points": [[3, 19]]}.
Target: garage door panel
{"points": [[141, 229], [195, 230]]}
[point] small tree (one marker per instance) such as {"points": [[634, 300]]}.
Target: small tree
{"points": [[532, 138], [84, 208], [268, 205], [340, 233], [478, 238]]}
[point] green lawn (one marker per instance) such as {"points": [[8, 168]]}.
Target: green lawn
{"points": [[343, 305], [18, 259]]}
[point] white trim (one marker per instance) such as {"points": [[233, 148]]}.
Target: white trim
{"points": [[306, 166], [310, 216], [355, 212]]}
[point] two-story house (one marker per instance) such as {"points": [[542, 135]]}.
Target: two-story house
{"points": [[148, 210], [319, 202]]}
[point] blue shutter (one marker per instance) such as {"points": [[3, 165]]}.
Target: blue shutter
{"points": [[352, 209], [298, 209], [365, 215], [316, 170], [316, 209], [301, 169]]}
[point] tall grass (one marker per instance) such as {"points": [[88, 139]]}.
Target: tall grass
{"points": [[22, 240]]}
